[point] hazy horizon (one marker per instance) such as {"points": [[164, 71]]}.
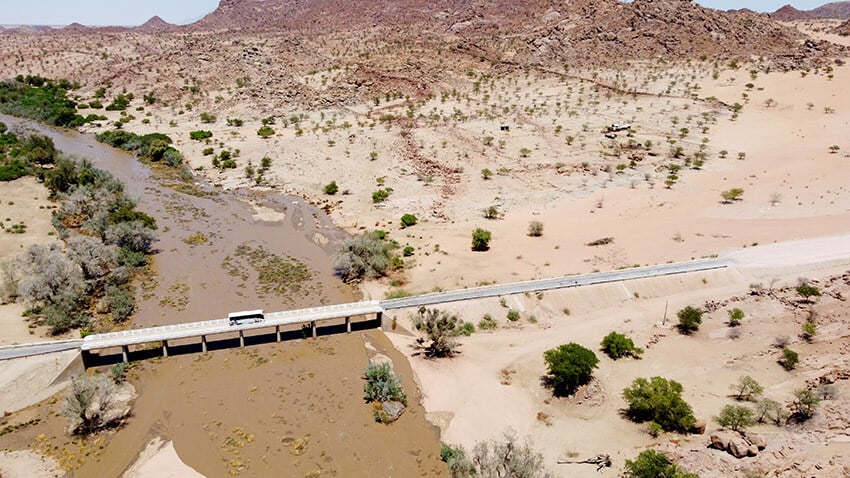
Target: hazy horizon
{"points": [[135, 12]]}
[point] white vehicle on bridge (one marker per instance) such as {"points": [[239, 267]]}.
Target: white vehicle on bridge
{"points": [[246, 317]]}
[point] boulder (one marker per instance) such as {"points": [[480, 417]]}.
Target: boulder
{"points": [[720, 440], [759, 441], [739, 448], [699, 427], [393, 410]]}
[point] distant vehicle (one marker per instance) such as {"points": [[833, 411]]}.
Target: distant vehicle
{"points": [[619, 127], [611, 136], [246, 317]]}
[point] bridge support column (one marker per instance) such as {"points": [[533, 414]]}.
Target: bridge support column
{"points": [[241, 338], [313, 328], [125, 353], [85, 356], [165, 348], [203, 344], [380, 319], [277, 332], [348, 324]]}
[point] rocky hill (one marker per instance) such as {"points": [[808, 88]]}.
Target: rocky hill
{"points": [[843, 29], [156, 25], [789, 14], [830, 10]]}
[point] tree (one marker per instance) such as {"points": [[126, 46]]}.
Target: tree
{"points": [[408, 220], [134, 235], [50, 277], [652, 464], [807, 291], [439, 327], [735, 317], [506, 457], [805, 403], [618, 345], [382, 385], [570, 366], [91, 405], [365, 256], [735, 417], [767, 409], [731, 195], [481, 239], [659, 400], [789, 358], [535, 228], [689, 320], [94, 257], [746, 388]]}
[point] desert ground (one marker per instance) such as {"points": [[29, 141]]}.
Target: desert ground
{"points": [[781, 136]]}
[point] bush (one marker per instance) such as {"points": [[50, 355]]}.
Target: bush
{"points": [[808, 291], [496, 458], [119, 302], [804, 405], [535, 228], [481, 239], [382, 385], [408, 220], [735, 317], [265, 131], [789, 358], [731, 195], [689, 320], [735, 417], [659, 400], [439, 327], [746, 388], [652, 464], [618, 345], [207, 118], [364, 256], [200, 135], [380, 195], [331, 188], [119, 372], [487, 323], [809, 331], [513, 315], [90, 404], [492, 212], [407, 251], [570, 366]]}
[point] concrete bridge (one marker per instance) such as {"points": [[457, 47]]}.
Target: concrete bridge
{"points": [[305, 322]]}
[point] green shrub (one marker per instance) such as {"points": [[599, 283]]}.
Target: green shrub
{"points": [[652, 464], [659, 400], [119, 302], [808, 291], [487, 323], [535, 228], [439, 327], [331, 188], [408, 251], [467, 329], [208, 151], [208, 118], [735, 317], [618, 345], [689, 320], [380, 195], [408, 220], [364, 256], [513, 315], [119, 372], [481, 239], [570, 366], [805, 403], [200, 135], [382, 385], [265, 131]]}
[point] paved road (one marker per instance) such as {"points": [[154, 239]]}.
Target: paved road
{"points": [[18, 351], [556, 283], [306, 316]]}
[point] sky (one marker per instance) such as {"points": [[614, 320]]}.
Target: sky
{"points": [[136, 12]]}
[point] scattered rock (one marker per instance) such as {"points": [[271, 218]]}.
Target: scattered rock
{"points": [[393, 410]]}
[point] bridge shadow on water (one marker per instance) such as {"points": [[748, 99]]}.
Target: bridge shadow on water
{"points": [[112, 356]]}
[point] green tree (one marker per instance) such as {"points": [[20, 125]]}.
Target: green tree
{"points": [[735, 317], [689, 320], [659, 400], [807, 291], [364, 256], [618, 345], [735, 417], [652, 464], [481, 239], [570, 366], [746, 388], [439, 327], [789, 358], [805, 403]]}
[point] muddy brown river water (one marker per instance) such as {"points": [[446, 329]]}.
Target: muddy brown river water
{"points": [[287, 409]]}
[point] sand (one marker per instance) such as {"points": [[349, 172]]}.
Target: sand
{"points": [[161, 460]]}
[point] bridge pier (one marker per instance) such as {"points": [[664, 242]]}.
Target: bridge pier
{"points": [[165, 348], [348, 325], [313, 328], [204, 344], [380, 319], [85, 355], [125, 353], [277, 332], [241, 338]]}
